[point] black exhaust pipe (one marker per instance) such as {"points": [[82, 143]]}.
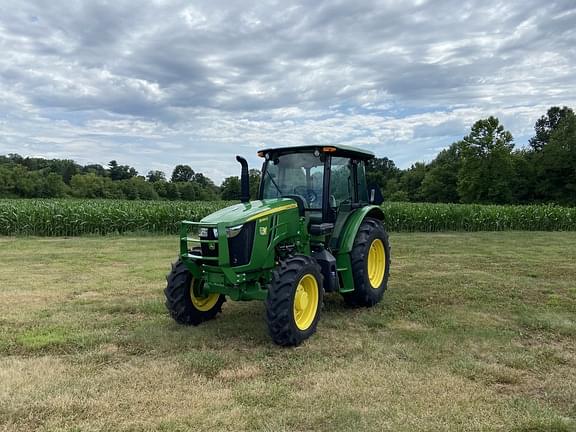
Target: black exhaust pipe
{"points": [[244, 180]]}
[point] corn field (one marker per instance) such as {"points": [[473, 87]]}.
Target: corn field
{"points": [[425, 217], [55, 217]]}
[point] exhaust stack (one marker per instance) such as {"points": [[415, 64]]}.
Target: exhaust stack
{"points": [[244, 180]]}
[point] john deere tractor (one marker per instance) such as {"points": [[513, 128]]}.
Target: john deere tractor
{"points": [[316, 227]]}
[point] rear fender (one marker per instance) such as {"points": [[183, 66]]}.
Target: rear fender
{"points": [[352, 224], [346, 243]]}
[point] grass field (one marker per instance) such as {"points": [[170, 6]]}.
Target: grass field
{"points": [[476, 332]]}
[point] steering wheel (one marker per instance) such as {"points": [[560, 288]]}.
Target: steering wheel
{"points": [[309, 194]]}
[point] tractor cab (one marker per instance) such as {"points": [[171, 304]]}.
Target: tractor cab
{"points": [[324, 181]]}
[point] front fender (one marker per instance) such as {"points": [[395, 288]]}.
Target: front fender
{"points": [[192, 265]]}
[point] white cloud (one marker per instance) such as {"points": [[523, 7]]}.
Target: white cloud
{"points": [[169, 83]]}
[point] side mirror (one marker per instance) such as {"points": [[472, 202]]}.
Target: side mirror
{"points": [[375, 194]]}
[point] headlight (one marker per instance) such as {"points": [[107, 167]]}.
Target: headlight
{"points": [[203, 232], [233, 231]]}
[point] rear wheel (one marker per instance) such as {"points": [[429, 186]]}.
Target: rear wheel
{"points": [[184, 300], [370, 257], [294, 300]]}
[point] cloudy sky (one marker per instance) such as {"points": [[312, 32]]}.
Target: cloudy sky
{"points": [[198, 81]]}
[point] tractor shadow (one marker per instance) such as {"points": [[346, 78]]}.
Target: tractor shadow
{"points": [[245, 322], [333, 303], [241, 326], [239, 335]]}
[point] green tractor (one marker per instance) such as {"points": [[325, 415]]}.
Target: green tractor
{"points": [[316, 227]]}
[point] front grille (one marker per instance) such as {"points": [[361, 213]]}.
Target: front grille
{"points": [[210, 249], [240, 247]]}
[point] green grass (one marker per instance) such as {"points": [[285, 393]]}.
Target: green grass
{"points": [[68, 217], [476, 332]]}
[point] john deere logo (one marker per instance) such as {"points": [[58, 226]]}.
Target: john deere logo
{"points": [[263, 230]]}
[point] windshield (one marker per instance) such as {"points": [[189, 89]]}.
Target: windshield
{"points": [[295, 174]]}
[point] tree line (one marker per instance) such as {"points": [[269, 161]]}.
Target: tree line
{"points": [[483, 167], [57, 178]]}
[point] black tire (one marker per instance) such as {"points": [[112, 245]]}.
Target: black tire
{"points": [[286, 277], [179, 297], [364, 293]]}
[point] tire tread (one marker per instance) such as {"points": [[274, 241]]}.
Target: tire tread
{"points": [[363, 294], [279, 312], [178, 301]]}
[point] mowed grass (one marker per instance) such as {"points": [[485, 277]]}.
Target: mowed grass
{"points": [[476, 332]]}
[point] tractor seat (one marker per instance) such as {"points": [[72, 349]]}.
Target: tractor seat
{"points": [[321, 228]]}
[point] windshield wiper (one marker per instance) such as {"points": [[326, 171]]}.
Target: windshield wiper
{"points": [[273, 182]]}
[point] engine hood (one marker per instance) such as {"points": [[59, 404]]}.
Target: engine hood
{"points": [[245, 212]]}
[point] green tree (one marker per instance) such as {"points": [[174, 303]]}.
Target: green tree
{"points": [[182, 173], [187, 191], [201, 180], [97, 169], [542, 165], [144, 189], [254, 182], [87, 186], [206, 190], [172, 192], [546, 125], [65, 168], [112, 189], [120, 172], [393, 191], [441, 180], [398, 196], [525, 177], [411, 181], [487, 166], [7, 183], [128, 188], [230, 188], [380, 171], [27, 184], [156, 176], [161, 189], [53, 186], [556, 163], [15, 158]]}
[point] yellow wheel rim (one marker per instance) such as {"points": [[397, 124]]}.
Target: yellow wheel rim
{"points": [[203, 304], [376, 263], [306, 301]]}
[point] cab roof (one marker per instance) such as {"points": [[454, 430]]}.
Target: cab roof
{"points": [[335, 150]]}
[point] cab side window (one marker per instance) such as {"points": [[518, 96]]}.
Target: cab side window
{"points": [[362, 187], [341, 181]]}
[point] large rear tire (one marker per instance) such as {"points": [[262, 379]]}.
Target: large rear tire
{"points": [[370, 257], [294, 300], [183, 299]]}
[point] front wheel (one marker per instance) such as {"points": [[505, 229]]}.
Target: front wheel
{"points": [[184, 300], [294, 300], [370, 257]]}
